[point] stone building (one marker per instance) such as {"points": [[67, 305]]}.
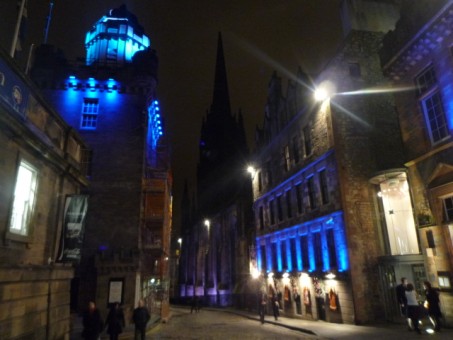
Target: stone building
{"points": [[417, 55], [320, 227], [42, 167], [110, 99], [216, 225]]}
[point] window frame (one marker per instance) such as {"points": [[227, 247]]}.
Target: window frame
{"points": [[90, 109], [26, 230]]}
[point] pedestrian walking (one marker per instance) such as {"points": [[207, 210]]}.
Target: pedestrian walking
{"points": [[92, 322], [413, 308], [275, 307], [402, 300], [140, 317], [195, 304], [432, 304], [262, 306], [115, 321]]}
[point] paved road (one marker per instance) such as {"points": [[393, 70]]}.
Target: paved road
{"points": [[211, 324]]}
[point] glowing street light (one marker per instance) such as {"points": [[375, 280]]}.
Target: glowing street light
{"points": [[251, 170]]}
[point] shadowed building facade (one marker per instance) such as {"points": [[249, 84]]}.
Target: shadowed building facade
{"points": [[216, 224]]}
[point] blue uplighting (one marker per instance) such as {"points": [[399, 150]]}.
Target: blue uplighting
{"points": [[154, 125], [321, 225]]}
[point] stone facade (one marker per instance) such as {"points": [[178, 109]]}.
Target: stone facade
{"points": [[34, 291], [315, 204], [421, 44]]}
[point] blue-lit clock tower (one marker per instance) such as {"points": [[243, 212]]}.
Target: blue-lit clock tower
{"points": [[110, 100]]}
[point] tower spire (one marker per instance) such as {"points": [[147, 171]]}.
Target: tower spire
{"points": [[221, 97]]}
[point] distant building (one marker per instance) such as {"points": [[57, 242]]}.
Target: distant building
{"points": [[417, 55], [110, 99], [321, 229], [216, 225], [42, 175]]}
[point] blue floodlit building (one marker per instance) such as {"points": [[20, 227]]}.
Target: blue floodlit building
{"points": [[316, 170], [110, 99]]}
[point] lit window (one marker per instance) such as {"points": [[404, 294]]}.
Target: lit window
{"points": [[426, 80], [24, 199], [90, 110]]}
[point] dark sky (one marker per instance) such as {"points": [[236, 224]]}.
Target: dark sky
{"points": [[259, 36]]}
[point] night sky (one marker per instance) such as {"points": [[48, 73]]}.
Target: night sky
{"points": [[259, 36]]}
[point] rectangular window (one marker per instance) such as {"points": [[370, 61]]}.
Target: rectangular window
{"points": [[261, 218], [288, 204], [87, 157], [426, 80], [284, 255], [318, 250], [324, 186], [296, 154], [354, 70], [90, 110], [279, 208], [286, 159], [448, 208], [435, 117], [299, 198], [292, 244], [263, 259], [24, 199], [305, 252], [272, 212], [274, 256], [311, 193], [269, 173], [307, 141], [331, 248]]}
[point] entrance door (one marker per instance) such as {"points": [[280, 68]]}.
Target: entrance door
{"points": [[321, 308]]}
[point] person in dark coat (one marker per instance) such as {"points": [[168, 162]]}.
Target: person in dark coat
{"points": [[433, 301], [401, 296], [115, 321], [92, 322], [140, 317], [262, 306], [275, 307]]}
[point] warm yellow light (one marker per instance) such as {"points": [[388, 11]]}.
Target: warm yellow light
{"points": [[255, 273], [207, 223]]}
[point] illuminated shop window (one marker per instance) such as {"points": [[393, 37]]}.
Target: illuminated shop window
{"points": [[448, 208], [24, 199], [399, 217], [90, 110], [432, 105]]}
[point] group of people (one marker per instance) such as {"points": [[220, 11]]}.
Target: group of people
{"points": [[412, 310], [93, 324], [263, 304]]}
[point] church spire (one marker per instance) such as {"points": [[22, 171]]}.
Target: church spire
{"points": [[221, 97]]}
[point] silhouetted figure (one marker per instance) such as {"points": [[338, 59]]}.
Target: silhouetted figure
{"points": [[433, 301], [115, 321], [262, 306], [92, 322], [140, 317]]}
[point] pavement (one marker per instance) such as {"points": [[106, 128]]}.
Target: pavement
{"points": [[315, 329]]}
